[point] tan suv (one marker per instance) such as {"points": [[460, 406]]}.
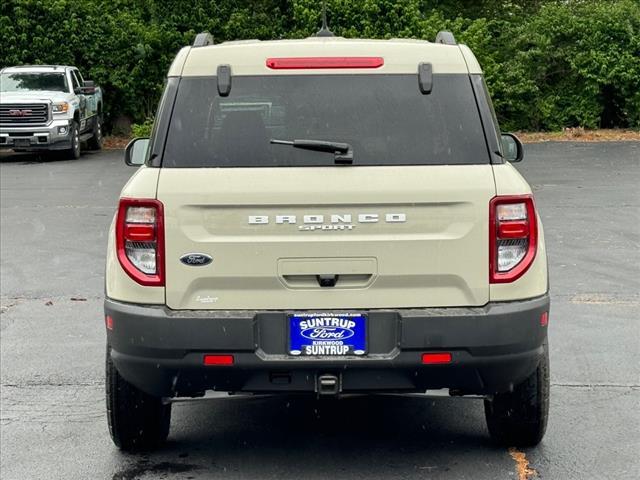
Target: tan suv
{"points": [[326, 216]]}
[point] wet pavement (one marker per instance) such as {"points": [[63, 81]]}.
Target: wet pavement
{"points": [[55, 216]]}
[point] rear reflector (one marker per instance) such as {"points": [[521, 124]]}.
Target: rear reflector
{"points": [[436, 358], [290, 63], [544, 319], [218, 359], [109, 322]]}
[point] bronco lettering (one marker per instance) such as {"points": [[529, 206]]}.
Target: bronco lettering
{"points": [[335, 218]]}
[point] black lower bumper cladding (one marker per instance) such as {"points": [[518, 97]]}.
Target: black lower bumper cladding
{"points": [[162, 351]]}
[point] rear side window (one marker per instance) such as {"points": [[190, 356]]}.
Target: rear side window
{"points": [[385, 119], [75, 83]]}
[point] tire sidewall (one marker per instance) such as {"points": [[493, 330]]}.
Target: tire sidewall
{"points": [[75, 150], [136, 420], [519, 417], [96, 141]]}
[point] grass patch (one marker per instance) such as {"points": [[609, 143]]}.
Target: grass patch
{"points": [[581, 135]]}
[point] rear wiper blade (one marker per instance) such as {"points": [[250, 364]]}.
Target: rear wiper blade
{"points": [[316, 145], [343, 153]]}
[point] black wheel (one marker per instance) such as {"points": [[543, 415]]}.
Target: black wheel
{"points": [[519, 418], [95, 142], [137, 420], [73, 153]]}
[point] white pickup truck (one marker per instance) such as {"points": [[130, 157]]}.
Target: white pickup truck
{"points": [[49, 107]]}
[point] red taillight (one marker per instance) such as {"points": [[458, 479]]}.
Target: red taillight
{"points": [[513, 230], [513, 237], [140, 240], [108, 321], [292, 63], [139, 232], [436, 358], [218, 359]]}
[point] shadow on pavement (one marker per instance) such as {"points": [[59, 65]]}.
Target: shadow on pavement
{"points": [[273, 437], [9, 156]]}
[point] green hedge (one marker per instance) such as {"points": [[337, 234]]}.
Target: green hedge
{"points": [[548, 64]]}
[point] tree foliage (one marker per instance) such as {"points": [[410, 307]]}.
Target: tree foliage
{"points": [[548, 64]]}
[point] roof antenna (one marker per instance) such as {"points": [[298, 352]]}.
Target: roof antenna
{"points": [[324, 31]]}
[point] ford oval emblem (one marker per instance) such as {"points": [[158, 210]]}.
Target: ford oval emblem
{"points": [[327, 333], [196, 259]]}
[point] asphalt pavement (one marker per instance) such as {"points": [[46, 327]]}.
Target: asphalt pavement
{"points": [[54, 220]]}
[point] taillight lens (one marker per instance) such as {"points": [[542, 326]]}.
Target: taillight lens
{"points": [[140, 240], [513, 237]]}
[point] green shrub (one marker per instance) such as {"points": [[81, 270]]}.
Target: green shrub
{"points": [[548, 63], [142, 129], [573, 64]]}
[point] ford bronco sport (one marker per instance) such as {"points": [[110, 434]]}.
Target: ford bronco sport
{"points": [[326, 216]]}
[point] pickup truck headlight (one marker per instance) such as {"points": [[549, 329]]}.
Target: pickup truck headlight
{"points": [[61, 107]]}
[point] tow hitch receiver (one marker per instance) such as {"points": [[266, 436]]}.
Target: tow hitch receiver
{"points": [[328, 384]]}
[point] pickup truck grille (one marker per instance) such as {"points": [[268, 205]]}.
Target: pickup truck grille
{"points": [[24, 113]]}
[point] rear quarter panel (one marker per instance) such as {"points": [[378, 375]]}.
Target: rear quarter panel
{"points": [[535, 281], [118, 285]]}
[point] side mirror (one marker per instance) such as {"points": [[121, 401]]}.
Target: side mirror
{"points": [[88, 87], [135, 153], [512, 148]]}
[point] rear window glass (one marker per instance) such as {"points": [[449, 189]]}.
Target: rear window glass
{"points": [[385, 119]]}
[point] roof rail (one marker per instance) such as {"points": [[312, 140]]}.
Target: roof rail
{"points": [[446, 38], [203, 39]]}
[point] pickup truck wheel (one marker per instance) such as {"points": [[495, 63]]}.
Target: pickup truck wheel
{"points": [[137, 420], [519, 418], [95, 142], [74, 152]]}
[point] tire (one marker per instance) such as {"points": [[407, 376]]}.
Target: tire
{"points": [[519, 418], [137, 420], [95, 142], [73, 153]]}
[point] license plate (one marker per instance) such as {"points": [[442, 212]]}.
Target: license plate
{"points": [[327, 334], [21, 142]]}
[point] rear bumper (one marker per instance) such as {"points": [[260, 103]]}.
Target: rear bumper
{"points": [[161, 351]]}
